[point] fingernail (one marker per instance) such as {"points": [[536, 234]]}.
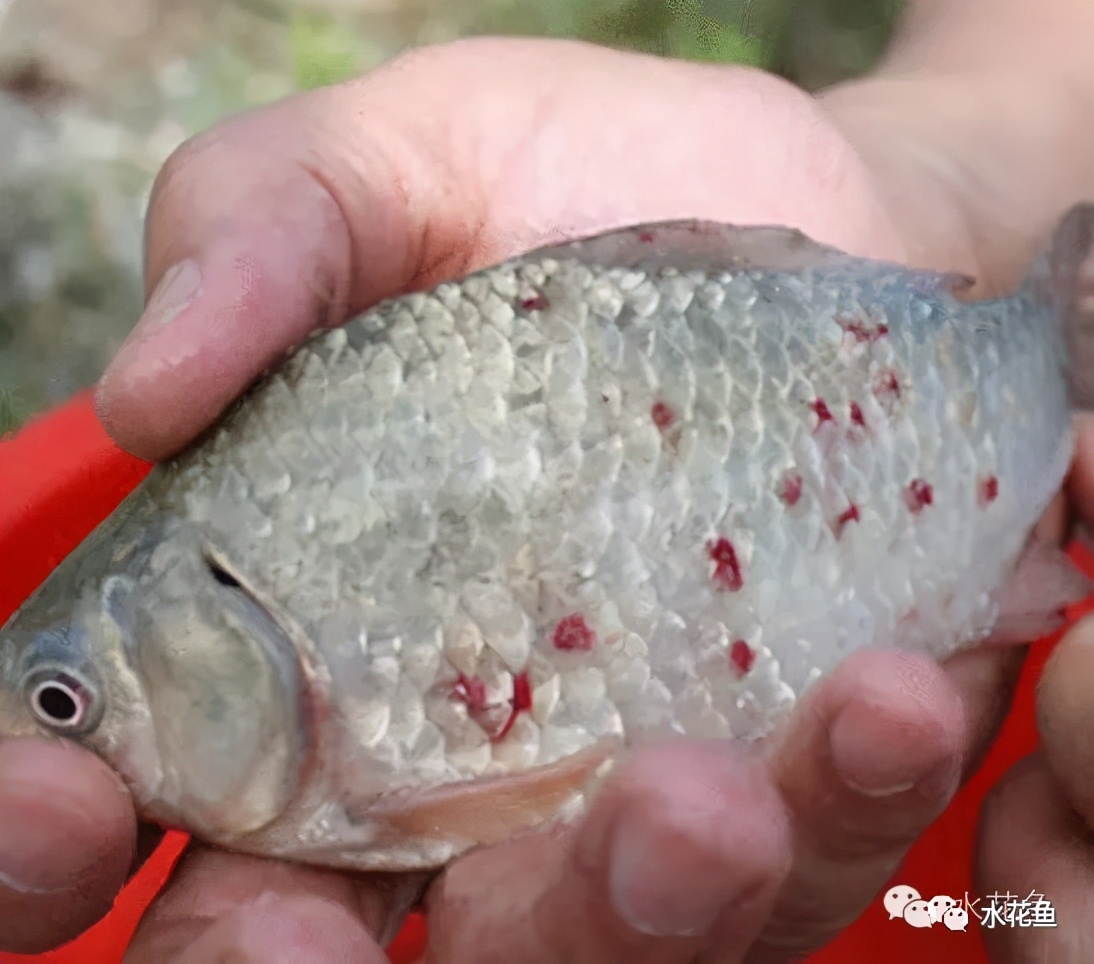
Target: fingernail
{"points": [[649, 897], [42, 847], [176, 289], [28, 859], [854, 746]]}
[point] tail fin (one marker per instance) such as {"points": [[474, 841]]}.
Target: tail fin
{"points": [[1065, 275]]}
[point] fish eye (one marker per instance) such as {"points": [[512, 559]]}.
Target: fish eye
{"points": [[62, 702]]}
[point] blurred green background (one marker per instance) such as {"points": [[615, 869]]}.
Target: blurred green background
{"points": [[95, 94]]}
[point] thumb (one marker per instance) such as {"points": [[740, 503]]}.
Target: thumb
{"points": [[247, 250]]}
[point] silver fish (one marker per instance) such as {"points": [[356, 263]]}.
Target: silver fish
{"points": [[421, 584]]}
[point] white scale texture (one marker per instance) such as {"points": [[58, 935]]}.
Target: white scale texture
{"points": [[431, 489]]}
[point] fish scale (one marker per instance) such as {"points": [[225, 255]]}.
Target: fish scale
{"points": [[447, 558], [570, 394]]}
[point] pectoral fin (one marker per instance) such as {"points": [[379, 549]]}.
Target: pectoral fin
{"points": [[1035, 601], [427, 828]]}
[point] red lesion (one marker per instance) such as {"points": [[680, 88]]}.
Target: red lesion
{"points": [[887, 385], [471, 691], [573, 633], [822, 411], [791, 489], [850, 514], [727, 567], [857, 416], [663, 416], [646, 237], [741, 657], [859, 330], [521, 703], [989, 490], [536, 301], [918, 495]]}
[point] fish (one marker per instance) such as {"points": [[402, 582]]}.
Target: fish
{"points": [[430, 577]]}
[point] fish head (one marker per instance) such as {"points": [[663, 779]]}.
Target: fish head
{"points": [[142, 647]]}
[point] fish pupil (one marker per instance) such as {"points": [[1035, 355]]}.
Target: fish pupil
{"points": [[57, 703]]}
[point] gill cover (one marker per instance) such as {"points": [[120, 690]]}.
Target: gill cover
{"points": [[227, 695]]}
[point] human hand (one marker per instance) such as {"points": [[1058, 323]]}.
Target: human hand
{"points": [[1035, 829], [429, 168]]}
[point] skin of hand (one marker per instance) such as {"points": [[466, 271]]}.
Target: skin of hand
{"points": [[1035, 833], [453, 157]]}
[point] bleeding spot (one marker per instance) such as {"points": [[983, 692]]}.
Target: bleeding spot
{"points": [[535, 302], [662, 415], [472, 691], [822, 411], [989, 490], [887, 384], [856, 415], [741, 657], [573, 633], [918, 494], [850, 514], [727, 568], [522, 702], [859, 330], [646, 237], [791, 489]]}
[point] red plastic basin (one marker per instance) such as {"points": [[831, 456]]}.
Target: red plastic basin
{"points": [[61, 476]]}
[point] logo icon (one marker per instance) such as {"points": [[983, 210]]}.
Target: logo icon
{"points": [[918, 914], [898, 898], [939, 906], [998, 910], [956, 918]]}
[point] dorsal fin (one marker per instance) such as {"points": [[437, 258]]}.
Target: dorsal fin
{"points": [[695, 244]]}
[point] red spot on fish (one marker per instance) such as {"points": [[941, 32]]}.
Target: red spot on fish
{"points": [[850, 514], [662, 415], [472, 691], [859, 330], [887, 384], [535, 302], [646, 237], [727, 568], [989, 490], [917, 495], [822, 411], [521, 703], [856, 415], [741, 657], [791, 489], [573, 633]]}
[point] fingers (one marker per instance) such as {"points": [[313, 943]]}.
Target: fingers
{"points": [[690, 849], [1065, 711], [1080, 483], [1034, 834], [221, 906], [1032, 843], [871, 759], [231, 292], [67, 833], [684, 841], [282, 219]]}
